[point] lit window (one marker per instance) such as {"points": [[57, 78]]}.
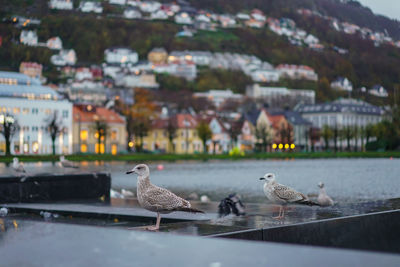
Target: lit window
{"points": [[84, 134], [83, 148], [35, 147], [114, 149], [96, 148]]}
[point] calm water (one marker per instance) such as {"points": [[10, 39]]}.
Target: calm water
{"points": [[345, 179]]}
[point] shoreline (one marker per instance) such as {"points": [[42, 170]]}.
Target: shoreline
{"points": [[175, 157]]}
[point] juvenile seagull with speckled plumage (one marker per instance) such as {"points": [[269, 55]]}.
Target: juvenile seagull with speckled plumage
{"points": [[282, 194], [157, 199]]}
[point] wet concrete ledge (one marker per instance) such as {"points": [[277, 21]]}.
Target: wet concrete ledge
{"points": [[379, 231], [51, 187]]}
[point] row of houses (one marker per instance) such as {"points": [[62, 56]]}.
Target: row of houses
{"points": [[344, 84]]}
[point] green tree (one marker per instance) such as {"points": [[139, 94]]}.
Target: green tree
{"points": [[327, 134], [204, 133], [171, 132], [263, 135]]}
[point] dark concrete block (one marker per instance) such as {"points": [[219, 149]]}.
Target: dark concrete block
{"points": [[41, 188], [378, 231]]}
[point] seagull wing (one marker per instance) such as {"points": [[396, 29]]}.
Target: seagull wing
{"points": [[164, 199], [288, 194]]}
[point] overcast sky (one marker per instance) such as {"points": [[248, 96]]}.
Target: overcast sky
{"points": [[389, 8]]}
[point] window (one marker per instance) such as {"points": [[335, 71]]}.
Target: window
{"points": [[35, 147], [25, 110], [97, 148], [84, 135], [65, 114], [17, 110], [114, 135], [35, 111], [83, 148], [114, 149]]}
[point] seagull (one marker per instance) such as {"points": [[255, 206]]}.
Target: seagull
{"points": [[66, 163], [17, 166], [323, 198], [157, 199], [282, 194]]}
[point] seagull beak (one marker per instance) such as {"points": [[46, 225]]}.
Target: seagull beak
{"points": [[129, 172], [262, 178]]}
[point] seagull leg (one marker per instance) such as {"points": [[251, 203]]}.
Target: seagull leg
{"points": [[157, 226], [280, 212]]}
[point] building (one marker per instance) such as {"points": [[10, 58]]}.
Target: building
{"points": [[85, 133], [88, 6], [342, 112], [61, 4], [378, 90], [220, 141], [186, 138], [265, 75], [28, 38], [64, 57], [140, 80], [120, 55], [218, 97], [158, 55], [31, 104], [183, 18], [32, 69], [86, 92], [54, 43], [276, 93], [117, 2], [132, 13], [297, 72], [343, 84]]}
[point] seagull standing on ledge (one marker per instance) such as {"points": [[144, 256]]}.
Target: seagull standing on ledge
{"points": [[17, 166], [282, 194], [323, 198], [155, 198], [66, 163]]}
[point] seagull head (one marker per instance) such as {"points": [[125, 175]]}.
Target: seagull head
{"points": [[141, 170], [321, 185], [268, 177]]}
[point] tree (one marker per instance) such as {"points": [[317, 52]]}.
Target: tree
{"points": [[204, 133], [348, 134], [140, 128], [234, 132], [171, 132], [263, 135], [8, 128], [54, 128], [101, 130], [335, 133], [327, 134]]}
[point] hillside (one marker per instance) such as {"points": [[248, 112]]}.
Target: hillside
{"points": [[90, 35]]}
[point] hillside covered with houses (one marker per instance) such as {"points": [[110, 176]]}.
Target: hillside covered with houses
{"points": [[196, 76]]}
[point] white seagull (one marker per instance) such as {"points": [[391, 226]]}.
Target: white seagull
{"points": [[157, 199], [17, 166], [66, 163], [282, 194], [323, 198]]}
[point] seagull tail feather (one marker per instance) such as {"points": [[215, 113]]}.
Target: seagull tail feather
{"points": [[185, 209]]}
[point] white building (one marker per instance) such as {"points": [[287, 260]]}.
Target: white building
{"points": [[28, 38], [265, 75], [54, 43], [120, 56], [342, 112], [202, 58], [159, 14], [343, 84], [218, 97], [378, 90], [61, 4], [31, 104], [257, 91], [83, 74], [149, 6], [132, 13], [89, 6], [64, 57], [86, 92], [183, 18], [117, 2], [297, 72]]}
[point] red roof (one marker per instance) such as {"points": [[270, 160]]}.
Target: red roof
{"points": [[31, 65], [185, 121], [89, 113], [275, 120]]}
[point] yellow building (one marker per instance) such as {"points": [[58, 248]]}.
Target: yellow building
{"points": [[158, 55], [186, 139], [85, 135]]}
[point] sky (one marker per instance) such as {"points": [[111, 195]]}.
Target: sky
{"points": [[389, 8]]}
